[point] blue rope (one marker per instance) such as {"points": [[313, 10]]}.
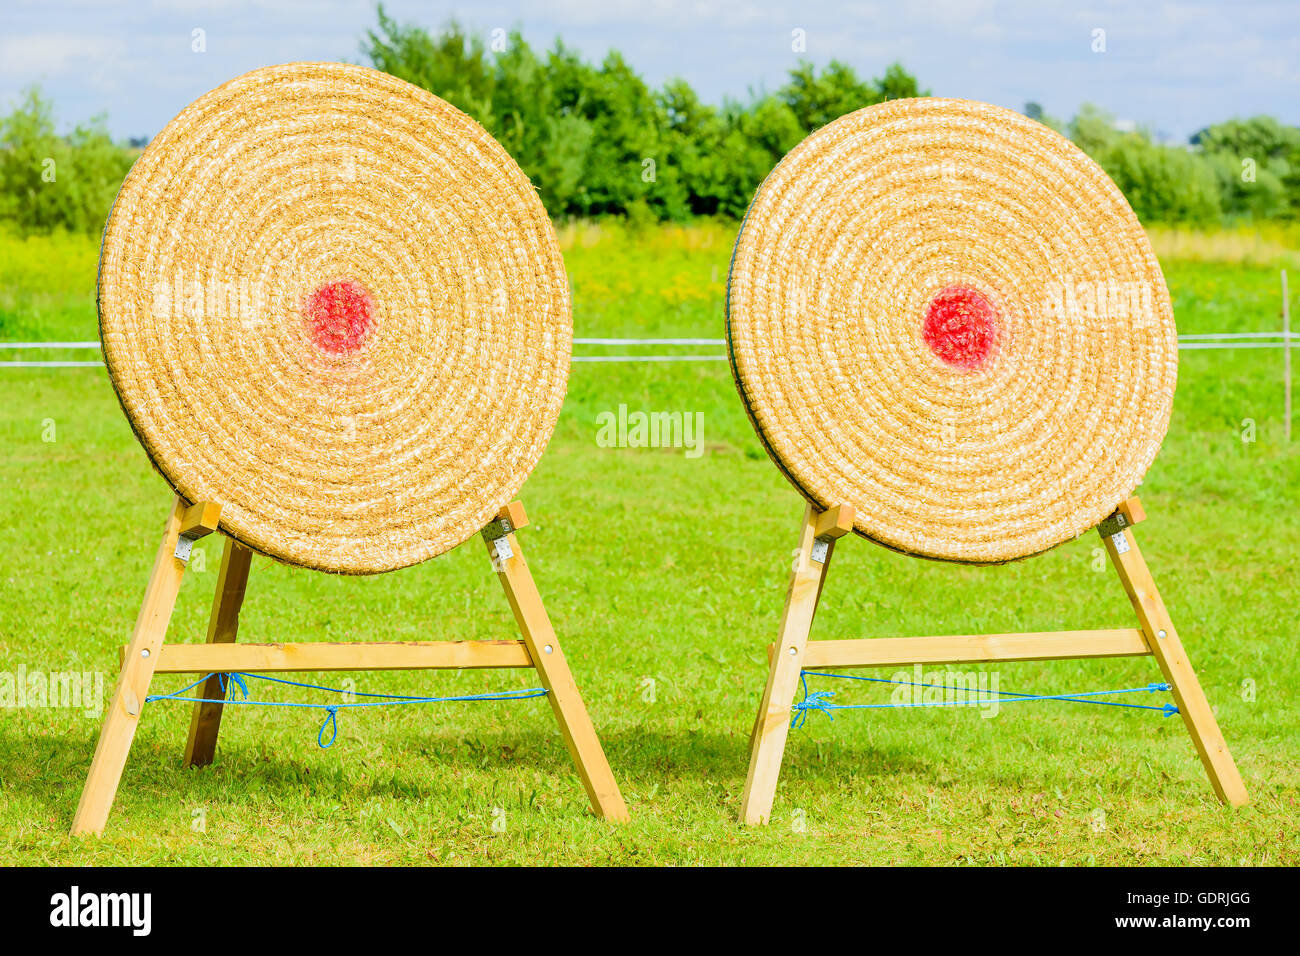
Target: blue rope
{"points": [[239, 681], [331, 720], [331, 710], [820, 700]]}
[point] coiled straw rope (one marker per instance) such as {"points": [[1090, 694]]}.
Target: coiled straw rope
{"points": [[946, 315], [332, 302]]}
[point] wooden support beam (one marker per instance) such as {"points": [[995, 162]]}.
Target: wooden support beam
{"points": [[508, 520], [793, 653], [354, 656], [1133, 511], [974, 648], [544, 650], [515, 514], [146, 655], [828, 527], [200, 520], [223, 626], [1158, 629], [133, 682], [834, 522], [831, 525], [1129, 513], [767, 740]]}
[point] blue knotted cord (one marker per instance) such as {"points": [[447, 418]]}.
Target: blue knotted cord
{"points": [[331, 720], [331, 710], [238, 679], [820, 700]]}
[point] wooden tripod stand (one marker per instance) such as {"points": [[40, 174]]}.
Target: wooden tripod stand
{"points": [[147, 655], [793, 653]]}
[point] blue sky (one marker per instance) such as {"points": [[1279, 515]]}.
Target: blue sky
{"points": [[1174, 66]]}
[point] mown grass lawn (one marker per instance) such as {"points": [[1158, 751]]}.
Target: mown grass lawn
{"points": [[664, 576]]}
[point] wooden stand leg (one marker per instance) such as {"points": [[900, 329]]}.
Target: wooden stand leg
{"points": [[223, 627], [808, 574], [539, 637], [133, 683], [1158, 630]]}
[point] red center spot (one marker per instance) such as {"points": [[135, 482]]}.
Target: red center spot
{"points": [[961, 326], [338, 316]]}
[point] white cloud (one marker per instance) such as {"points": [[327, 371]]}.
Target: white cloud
{"points": [[1172, 65], [35, 55]]}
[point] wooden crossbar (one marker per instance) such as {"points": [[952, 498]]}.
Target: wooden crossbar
{"points": [[147, 654], [356, 656], [973, 648], [794, 653]]}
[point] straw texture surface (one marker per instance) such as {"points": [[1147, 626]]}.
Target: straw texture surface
{"points": [[331, 302], [947, 315]]}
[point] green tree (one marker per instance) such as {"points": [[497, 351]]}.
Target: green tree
{"points": [[628, 156], [30, 153], [1261, 138], [897, 84], [1291, 186], [49, 181], [549, 143], [1162, 183], [597, 140], [1247, 188], [1252, 160], [450, 63], [758, 135], [695, 137], [1035, 112], [816, 100], [1093, 130]]}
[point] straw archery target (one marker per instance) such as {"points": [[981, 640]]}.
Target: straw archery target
{"points": [[332, 303], [945, 314]]}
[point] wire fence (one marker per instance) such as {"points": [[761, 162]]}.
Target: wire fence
{"points": [[1191, 342]]}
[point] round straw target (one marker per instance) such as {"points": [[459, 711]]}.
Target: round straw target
{"points": [[332, 303], [945, 314]]}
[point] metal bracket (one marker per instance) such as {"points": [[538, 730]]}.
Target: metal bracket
{"points": [[821, 547], [183, 548], [500, 552], [1114, 524], [497, 535], [495, 530], [1120, 540]]}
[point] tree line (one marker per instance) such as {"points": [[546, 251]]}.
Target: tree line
{"points": [[597, 140]]}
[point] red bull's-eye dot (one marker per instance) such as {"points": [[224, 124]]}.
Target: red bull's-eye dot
{"points": [[961, 326], [339, 315]]}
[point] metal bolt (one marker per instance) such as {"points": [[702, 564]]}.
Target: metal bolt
{"points": [[1161, 634], [548, 649], [145, 652], [793, 652]]}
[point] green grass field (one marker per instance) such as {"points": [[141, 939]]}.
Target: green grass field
{"points": [[664, 576]]}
